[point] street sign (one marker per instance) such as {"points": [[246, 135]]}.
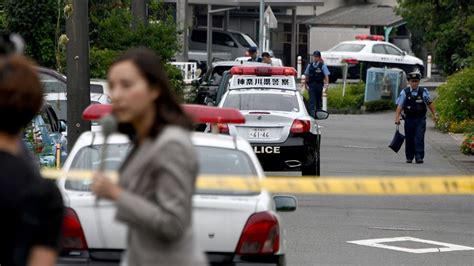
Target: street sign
{"points": [[270, 18]]}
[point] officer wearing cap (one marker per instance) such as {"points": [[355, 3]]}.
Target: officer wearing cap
{"points": [[317, 78], [253, 55], [414, 102]]}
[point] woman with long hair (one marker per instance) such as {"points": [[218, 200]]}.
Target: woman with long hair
{"points": [[157, 180]]}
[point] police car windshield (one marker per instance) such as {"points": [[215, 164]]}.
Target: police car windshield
{"points": [[285, 102], [348, 47], [212, 161]]}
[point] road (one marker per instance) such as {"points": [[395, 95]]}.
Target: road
{"points": [[356, 145]]}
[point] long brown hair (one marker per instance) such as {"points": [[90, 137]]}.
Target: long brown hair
{"points": [[168, 109]]}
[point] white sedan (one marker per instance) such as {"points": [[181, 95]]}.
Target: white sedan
{"points": [[232, 227], [367, 52]]}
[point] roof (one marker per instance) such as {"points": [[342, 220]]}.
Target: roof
{"points": [[358, 15], [273, 3]]}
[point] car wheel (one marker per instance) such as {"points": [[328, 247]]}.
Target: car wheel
{"points": [[313, 167]]}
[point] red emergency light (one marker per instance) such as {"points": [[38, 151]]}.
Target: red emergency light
{"points": [[95, 112], [370, 37], [198, 113], [263, 71]]}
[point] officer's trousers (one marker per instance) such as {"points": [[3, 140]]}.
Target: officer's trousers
{"points": [[415, 129], [315, 97]]}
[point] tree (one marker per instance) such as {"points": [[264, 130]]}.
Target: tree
{"points": [[36, 22], [445, 27]]}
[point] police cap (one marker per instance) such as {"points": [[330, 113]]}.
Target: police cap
{"points": [[317, 53], [414, 75], [252, 49]]}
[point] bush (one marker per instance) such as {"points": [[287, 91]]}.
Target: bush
{"points": [[379, 105], [467, 146], [352, 101], [455, 102]]}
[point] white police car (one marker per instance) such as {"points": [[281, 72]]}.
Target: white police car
{"points": [[365, 52], [282, 133], [232, 227]]}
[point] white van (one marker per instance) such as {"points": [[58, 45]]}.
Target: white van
{"points": [[234, 42]]}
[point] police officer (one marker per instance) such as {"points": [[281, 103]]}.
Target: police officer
{"points": [[414, 102], [317, 78], [253, 55]]}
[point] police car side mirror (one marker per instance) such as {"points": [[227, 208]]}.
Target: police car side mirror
{"points": [[285, 203], [321, 115], [404, 53]]}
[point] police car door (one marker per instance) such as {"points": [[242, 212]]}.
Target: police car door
{"points": [[380, 55], [395, 55]]}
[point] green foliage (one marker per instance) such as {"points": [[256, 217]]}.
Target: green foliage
{"points": [[176, 79], [446, 27], [351, 102], [467, 146], [36, 22], [379, 105], [455, 102], [112, 35]]}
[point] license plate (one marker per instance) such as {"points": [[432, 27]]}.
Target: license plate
{"points": [[259, 133]]}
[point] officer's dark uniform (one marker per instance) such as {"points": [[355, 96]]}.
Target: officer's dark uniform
{"points": [[315, 73], [414, 103], [252, 50]]}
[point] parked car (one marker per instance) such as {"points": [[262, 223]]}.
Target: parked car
{"points": [[366, 52], [42, 135], [224, 220], [208, 84], [283, 134], [234, 42], [99, 86]]}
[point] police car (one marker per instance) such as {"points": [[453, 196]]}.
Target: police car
{"points": [[278, 126], [232, 227], [365, 52]]}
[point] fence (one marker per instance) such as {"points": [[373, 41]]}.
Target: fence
{"points": [[188, 69]]}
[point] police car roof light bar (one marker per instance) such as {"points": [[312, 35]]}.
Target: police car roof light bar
{"points": [[209, 114], [198, 113], [370, 37], [263, 71], [95, 112]]}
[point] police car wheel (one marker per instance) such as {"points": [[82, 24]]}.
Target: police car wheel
{"points": [[313, 168]]}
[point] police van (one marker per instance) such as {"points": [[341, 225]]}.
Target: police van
{"points": [[284, 136]]}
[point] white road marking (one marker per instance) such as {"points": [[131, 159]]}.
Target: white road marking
{"points": [[359, 147], [377, 243]]}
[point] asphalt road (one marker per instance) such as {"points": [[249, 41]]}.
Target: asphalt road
{"points": [[356, 145]]}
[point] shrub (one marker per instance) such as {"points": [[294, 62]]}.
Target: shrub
{"points": [[455, 102], [379, 105], [467, 146], [352, 101]]}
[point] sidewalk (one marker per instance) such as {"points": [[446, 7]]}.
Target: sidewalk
{"points": [[449, 146]]}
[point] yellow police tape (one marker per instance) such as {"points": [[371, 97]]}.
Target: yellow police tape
{"points": [[446, 185]]}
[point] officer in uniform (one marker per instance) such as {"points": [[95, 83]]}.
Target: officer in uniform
{"points": [[253, 55], [414, 101], [317, 78]]}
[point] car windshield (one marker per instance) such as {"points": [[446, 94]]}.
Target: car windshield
{"points": [[51, 84], [60, 106], [285, 102], [244, 40], [348, 47], [212, 161]]}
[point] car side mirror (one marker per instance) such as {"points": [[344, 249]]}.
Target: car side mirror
{"points": [[209, 101], [285, 203], [404, 53], [321, 115], [230, 43], [62, 125]]}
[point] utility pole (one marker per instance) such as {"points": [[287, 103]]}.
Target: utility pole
{"points": [[77, 62], [182, 23], [260, 31], [139, 13]]}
